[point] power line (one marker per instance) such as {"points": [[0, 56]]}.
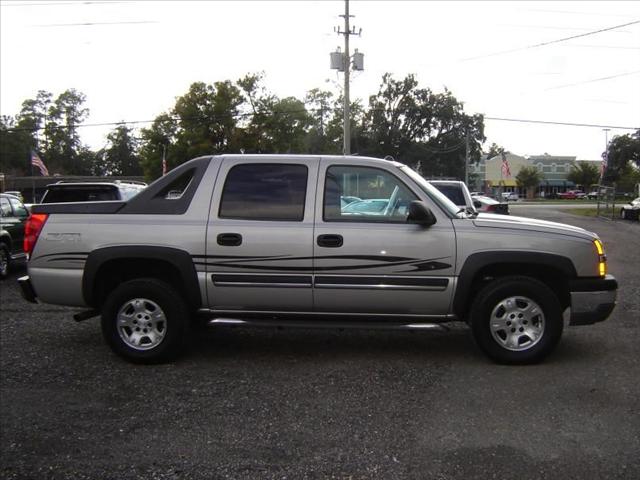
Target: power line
{"points": [[543, 44], [592, 80], [92, 24], [213, 118], [571, 124]]}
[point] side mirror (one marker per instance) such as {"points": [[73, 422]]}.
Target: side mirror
{"points": [[419, 213]]}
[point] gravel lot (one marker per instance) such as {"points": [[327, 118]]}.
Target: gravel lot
{"points": [[253, 404]]}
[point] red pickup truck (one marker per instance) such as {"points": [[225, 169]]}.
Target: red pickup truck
{"points": [[572, 195]]}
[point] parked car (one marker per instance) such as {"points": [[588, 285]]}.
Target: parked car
{"points": [[489, 205], [572, 195], [371, 206], [12, 220], [631, 211], [510, 196], [593, 195], [63, 192], [16, 194], [456, 191], [347, 199]]}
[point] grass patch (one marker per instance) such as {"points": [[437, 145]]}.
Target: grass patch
{"points": [[591, 212]]}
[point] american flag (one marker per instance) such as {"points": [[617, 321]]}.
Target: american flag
{"points": [[603, 165], [36, 161], [506, 170]]}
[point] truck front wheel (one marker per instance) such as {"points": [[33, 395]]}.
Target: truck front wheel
{"points": [[145, 321], [516, 320]]}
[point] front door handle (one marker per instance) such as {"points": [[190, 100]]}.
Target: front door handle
{"points": [[229, 239], [330, 241]]}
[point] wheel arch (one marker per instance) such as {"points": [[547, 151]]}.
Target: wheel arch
{"points": [[479, 268], [107, 267]]}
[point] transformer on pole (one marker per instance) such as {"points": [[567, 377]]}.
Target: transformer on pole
{"points": [[342, 62]]}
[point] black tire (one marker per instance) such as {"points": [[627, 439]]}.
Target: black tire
{"points": [[150, 312], [5, 261], [516, 320]]}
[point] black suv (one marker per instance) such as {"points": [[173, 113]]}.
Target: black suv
{"points": [[63, 192], [13, 216]]}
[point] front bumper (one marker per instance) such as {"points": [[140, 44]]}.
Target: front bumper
{"points": [[26, 288], [592, 299]]}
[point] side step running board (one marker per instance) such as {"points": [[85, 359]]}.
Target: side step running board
{"points": [[328, 324]]}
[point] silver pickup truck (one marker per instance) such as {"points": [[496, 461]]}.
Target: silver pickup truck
{"points": [[311, 241]]}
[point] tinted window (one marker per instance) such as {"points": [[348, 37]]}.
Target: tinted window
{"points": [[382, 196], [453, 193], [81, 194], [265, 192]]}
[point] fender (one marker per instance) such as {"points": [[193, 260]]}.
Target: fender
{"points": [[179, 259], [477, 261]]}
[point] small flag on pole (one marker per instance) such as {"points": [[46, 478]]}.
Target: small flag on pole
{"points": [[36, 161], [506, 170]]}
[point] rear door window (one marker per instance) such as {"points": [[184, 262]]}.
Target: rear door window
{"points": [[261, 191]]}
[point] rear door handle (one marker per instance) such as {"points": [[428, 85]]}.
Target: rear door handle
{"points": [[330, 241], [229, 239]]}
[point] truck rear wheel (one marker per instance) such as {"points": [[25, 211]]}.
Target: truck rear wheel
{"points": [[145, 321], [516, 320]]}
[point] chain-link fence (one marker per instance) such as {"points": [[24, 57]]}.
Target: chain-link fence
{"points": [[606, 202]]}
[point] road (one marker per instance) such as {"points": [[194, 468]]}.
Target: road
{"points": [[298, 404]]}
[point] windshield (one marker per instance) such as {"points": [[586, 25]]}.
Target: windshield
{"points": [[434, 194]]}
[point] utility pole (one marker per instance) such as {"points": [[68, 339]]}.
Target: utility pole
{"points": [[605, 157], [466, 158], [347, 67], [341, 61]]}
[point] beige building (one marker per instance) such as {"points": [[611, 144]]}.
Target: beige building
{"points": [[497, 177]]}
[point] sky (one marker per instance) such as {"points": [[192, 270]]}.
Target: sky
{"points": [[506, 60]]}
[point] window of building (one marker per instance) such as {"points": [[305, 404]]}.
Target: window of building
{"points": [[261, 191]]}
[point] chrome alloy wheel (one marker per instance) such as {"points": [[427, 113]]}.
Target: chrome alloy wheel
{"points": [[517, 323], [141, 324]]}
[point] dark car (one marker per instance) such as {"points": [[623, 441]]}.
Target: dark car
{"points": [[631, 211], [63, 192], [12, 219]]}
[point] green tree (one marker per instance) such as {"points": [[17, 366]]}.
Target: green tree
{"points": [[157, 140], [529, 178], [322, 135], [204, 121], [495, 150], [584, 173], [272, 125], [120, 156], [414, 125], [15, 146], [63, 145], [629, 179], [622, 150]]}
